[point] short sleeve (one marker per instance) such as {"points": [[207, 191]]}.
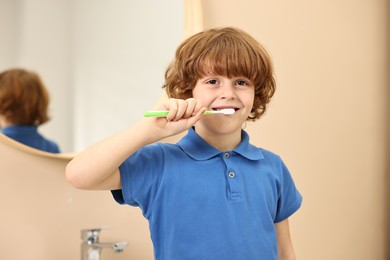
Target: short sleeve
{"points": [[289, 200], [140, 177]]}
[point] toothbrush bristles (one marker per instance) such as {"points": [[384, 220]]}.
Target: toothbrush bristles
{"points": [[228, 111]]}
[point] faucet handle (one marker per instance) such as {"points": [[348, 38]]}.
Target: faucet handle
{"points": [[91, 236], [120, 246]]}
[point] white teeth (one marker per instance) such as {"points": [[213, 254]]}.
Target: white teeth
{"points": [[219, 109], [228, 111]]}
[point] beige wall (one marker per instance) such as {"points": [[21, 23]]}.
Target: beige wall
{"points": [[328, 118]]}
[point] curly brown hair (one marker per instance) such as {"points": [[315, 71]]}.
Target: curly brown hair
{"points": [[23, 97], [229, 52]]}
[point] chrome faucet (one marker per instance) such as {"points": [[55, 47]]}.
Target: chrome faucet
{"points": [[91, 247]]}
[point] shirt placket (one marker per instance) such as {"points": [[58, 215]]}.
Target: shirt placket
{"points": [[234, 181]]}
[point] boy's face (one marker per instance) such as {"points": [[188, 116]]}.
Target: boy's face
{"points": [[218, 92]]}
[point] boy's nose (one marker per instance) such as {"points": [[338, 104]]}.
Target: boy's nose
{"points": [[227, 91]]}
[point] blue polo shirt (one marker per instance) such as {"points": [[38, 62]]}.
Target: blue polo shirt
{"points": [[29, 135], [202, 203]]}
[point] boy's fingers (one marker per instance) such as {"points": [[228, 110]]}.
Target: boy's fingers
{"points": [[192, 120], [198, 107], [172, 107], [182, 109], [182, 106], [191, 108]]}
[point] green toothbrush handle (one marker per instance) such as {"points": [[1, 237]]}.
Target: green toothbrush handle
{"points": [[156, 114], [163, 113]]}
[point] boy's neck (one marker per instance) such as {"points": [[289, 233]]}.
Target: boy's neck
{"points": [[226, 142]]}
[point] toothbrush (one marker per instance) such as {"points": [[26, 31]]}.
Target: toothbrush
{"points": [[164, 113]]}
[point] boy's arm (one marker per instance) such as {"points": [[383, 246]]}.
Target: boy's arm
{"points": [[98, 166], [285, 247]]}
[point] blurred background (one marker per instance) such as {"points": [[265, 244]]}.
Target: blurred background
{"points": [[104, 61]]}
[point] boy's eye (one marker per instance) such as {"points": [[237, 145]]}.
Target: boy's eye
{"points": [[212, 81], [242, 83]]}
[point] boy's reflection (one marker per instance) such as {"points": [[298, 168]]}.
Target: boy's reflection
{"points": [[24, 100]]}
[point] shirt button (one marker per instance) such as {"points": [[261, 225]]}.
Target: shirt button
{"points": [[226, 155], [231, 174]]}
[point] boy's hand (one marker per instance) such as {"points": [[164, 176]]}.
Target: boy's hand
{"points": [[182, 115], [181, 109]]}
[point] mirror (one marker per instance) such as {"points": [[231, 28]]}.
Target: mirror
{"points": [[102, 61]]}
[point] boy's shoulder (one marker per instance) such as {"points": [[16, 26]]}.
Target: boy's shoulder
{"points": [[269, 155], [160, 147], [249, 145]]}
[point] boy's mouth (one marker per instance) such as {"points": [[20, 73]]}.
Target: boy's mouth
{"points": [[220, 108]]}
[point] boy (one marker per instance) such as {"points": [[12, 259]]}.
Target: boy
{"points": [[212, 195], [23, 107]]}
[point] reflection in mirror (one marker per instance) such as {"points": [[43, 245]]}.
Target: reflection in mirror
{"points": [[103, 61], [24, 100]]}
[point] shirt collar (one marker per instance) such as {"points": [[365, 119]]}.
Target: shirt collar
{"points": [[198, 149], [21, 129]]}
